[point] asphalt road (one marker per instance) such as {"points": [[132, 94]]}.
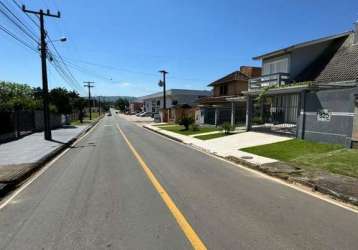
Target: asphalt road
{"points": [[98, 196]]}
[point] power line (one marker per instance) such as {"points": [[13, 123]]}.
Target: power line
{"points": [[19, 40], [62, 70], [63, 73], [20, 26], [132, 71], [63, 62], [19, 5], [18, 19]]}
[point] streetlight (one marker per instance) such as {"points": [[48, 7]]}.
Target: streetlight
{"points": [[62, 39]]}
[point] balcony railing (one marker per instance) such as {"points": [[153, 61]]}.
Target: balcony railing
{"points": [[277, 79]]}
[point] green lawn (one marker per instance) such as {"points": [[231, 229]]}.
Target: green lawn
{"points": [[211, 136], [312, 156], [180, 130]]}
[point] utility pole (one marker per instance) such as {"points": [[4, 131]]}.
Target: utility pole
{"points": [[43, 49], [162, 84], [89, 86], [99, 105]]}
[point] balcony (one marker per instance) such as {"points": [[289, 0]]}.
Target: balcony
{"points": [[276, 79]]}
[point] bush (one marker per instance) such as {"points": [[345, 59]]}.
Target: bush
{"points": [[226, 126], [257, 120], [186, 122], [195, 127]]}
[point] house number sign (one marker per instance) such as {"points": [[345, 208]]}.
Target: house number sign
{"points": [[323, 115]]}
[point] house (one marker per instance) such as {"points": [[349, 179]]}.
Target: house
{"points": [[135, 106], [227, 104], [308, 90], [175, 99]]}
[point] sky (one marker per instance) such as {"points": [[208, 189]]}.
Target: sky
{"points": [[121, 44]]}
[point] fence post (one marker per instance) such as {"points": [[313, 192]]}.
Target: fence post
{"points": [[16, 123]]}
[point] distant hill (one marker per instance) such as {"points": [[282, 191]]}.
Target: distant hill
{"points": [[114, 98]]}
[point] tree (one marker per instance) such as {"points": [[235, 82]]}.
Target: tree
{"points": [[17, 96], [121, 104], [60, 98], [79, 103], [186, 121]]}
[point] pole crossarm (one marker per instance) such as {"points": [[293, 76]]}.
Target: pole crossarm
{"points": [[41, 12]]}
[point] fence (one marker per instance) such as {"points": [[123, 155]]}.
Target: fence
{"points": [[16, 124], [277, 114]]}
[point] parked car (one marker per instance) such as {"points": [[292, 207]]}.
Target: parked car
{"points": [[145, 114], [140, 113]]}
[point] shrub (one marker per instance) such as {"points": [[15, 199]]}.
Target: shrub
{"points": [[186, 122], [226, 126], [195, 127], [257, 120]]}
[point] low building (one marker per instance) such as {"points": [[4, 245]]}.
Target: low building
{"points": [[308, 90], [135, 107], [227, 104], [174, 98]]}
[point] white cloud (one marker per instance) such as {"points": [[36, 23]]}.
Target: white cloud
{"points": [[124, 84]]}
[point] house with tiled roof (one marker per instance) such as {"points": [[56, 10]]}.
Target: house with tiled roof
{"points": [[308, 90], [227, 104]]}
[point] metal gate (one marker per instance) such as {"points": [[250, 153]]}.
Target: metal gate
{"points": [[209, 116], [240, 113], [276, 114], [224, 115]]}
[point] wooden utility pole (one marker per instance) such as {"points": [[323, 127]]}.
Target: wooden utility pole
{"points": [[89, 86], [99, 105], [43, 49]]}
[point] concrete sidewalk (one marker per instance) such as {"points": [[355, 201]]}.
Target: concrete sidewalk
{"points": [[229, 145], [19, 157], [344, 188]]}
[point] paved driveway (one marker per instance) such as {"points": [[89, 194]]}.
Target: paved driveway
{"points": [[231, 145]]}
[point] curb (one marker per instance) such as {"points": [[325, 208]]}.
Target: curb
{"points": [[11, 185], [161, 133], [291, 179], [315, 187]]}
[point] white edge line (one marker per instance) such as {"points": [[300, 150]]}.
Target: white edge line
{"points": [[42, 170], [296, 186]]}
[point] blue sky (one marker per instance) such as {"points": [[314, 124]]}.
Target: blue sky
{"points": [[121, 45]]}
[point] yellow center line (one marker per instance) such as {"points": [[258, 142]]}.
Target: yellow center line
{"points": [[179, 217]]}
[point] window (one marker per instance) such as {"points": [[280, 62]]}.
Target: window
{"points": [[223, 90], [158, 103], [174, 102], [278, 66]]}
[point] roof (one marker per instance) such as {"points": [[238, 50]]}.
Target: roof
{"points": [[301, 45], [234, 76], [214, 99], [343, 66], [174, 92]]}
